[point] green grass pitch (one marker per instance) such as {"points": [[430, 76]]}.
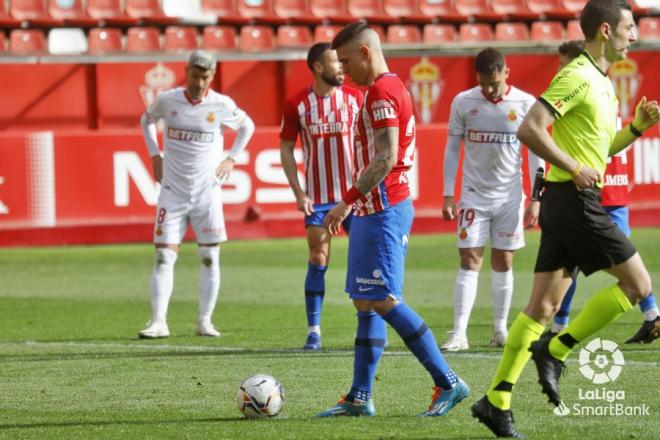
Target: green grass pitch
{"points": [[71, 366]]}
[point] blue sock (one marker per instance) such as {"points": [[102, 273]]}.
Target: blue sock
{"points": [[648, 303], [419, 339], [314, 292], [370, 342], [561, 317]]}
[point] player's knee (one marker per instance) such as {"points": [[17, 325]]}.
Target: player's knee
{"points": [[209, 256], [638, 287], [318, 257], [165, 259], [471, 262]]}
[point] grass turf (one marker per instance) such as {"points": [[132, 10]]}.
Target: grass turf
{"points": [[73, 368]]}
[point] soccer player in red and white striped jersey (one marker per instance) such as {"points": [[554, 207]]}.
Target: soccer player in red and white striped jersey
{"points": [[324, 116]]}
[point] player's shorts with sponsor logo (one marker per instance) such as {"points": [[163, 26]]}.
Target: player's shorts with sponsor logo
{"points": [[377, 248], [204, 213], [576, 231], [500, 221], [320, 211]]}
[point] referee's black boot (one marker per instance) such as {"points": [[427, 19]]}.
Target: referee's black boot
{"points": [[549, 369], [499, 421], [648, 332]]}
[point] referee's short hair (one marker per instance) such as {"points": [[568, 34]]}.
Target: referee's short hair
{"points": [[349, 33], [597, 12], [315, 53], [489, 61], [571, 49]]}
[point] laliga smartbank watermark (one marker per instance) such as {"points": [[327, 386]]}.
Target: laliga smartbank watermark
{"points": [[601, 363]]}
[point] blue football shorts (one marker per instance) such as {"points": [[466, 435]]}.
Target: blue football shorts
{"points": [[320, 210], [619, 215]]}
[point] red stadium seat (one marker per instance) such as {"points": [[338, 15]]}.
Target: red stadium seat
{"points": [[325, 33], [219, 38], [256, 38], [511, 32], [225, 11], [72, 13], [5, 20], [574, 5], [33, 12], [403, 34], [104, 40], [550, 9], [259, 11], [295, 11], [294, 36], [3, 42], [109, 12], [574, 31], [442, 10], [407, 10], [649, 28], [547, 31], [478, 9], [473, 32], [440, 33], [142, 39], [27, 42], [181, 38], [370, 10], [330, 10], [515, 10], [149, 12]]}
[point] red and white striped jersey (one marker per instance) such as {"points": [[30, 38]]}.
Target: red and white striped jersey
{"points": [[615, 191], [387, 103], [326, 125]]}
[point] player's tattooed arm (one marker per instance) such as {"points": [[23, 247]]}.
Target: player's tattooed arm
{"points": [[386, 146]]}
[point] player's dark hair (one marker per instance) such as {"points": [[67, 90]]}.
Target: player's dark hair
{"points": [[571, 49], [315, 53], [349, 33], [597, 12], [489, 61]]}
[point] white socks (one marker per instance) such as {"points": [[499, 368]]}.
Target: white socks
{"points": [[314, 329], [162, 283], [464, 295], [651, 314], [501, 290], [209, 280]]}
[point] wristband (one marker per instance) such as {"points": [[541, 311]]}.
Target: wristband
{"points": [[577, 169], [634, 130], [352, 196]]}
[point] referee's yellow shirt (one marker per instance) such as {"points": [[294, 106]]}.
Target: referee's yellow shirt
{"points": [[582, 98]]}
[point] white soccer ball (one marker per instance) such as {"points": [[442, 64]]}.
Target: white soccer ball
{"points": [[260, 396]]}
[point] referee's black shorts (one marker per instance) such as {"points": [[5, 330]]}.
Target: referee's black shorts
{"points": [[577, 232]]}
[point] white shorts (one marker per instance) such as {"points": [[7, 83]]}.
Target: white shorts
{"points": [[501, 222], [204, 214]]}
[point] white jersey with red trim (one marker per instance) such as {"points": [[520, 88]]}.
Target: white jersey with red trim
{"points": [[387, 103], [326, 125], [193, 137], [492, 152]]}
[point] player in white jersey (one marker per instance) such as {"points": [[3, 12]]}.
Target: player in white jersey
{"points": [[492, 203], [190, 172]]}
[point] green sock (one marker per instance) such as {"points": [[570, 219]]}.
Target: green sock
{"points": [[606, 306], [522, 333]]}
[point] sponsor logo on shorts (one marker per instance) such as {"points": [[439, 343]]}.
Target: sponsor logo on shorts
{"points": [[212, 230], [511, 235], [159, 231], [370, 281], [487, 137], [365, 289], [189, 135]]}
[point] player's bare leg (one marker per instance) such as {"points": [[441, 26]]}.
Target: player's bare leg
{"points": [[162, 283], [318, 243], [501, 290], [209, 287]]}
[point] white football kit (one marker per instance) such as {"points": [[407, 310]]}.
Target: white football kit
{"points": [[492, 201], [193, 149]]}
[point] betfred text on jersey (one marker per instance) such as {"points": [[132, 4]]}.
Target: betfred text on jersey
{"points": [[491, 137], [189, 135]]}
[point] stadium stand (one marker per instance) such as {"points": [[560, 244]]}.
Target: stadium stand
{"points": [[225, 12], [255, 38], [109, 13], [442, 10], [407, 10], [142, 39], [516, 10], [33, 13], [511, 32], [403, 34], [219, 38], [325, 32], [649, 28], [71, 12], [294, 36], [574, 31], [104, 40], [547, 31], [439, 34], [475, 32], [330, 11], [478, 10], [295, 12], [552, 9], [188, 12], [181, 38], [370, 10], [259, 12], [27, 42], [67, 41], [5, 20], [3, 42], [149, 12]]}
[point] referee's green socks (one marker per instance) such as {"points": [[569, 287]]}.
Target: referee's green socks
{"points": [[522, 333], [605, 306]]}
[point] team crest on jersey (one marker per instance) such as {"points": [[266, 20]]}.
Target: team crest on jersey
{"points": [[174, 113], [211, 117], [463, 234], [512, 116], [473, 112], [159, 231]]}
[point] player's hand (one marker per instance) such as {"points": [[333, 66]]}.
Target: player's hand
{"points": [[531, 217], [335, 216], [224, 169], [587, 178], [304, 204], [157, 167], [449, 208], [647, 114]]}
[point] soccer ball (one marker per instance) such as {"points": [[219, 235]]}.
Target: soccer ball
{"points": [[260, 396]]}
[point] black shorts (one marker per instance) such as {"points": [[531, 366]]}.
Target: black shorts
{"points": [[577, 232]]}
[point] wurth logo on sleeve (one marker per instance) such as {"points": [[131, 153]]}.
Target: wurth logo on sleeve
{"points": [[382, 109]]}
